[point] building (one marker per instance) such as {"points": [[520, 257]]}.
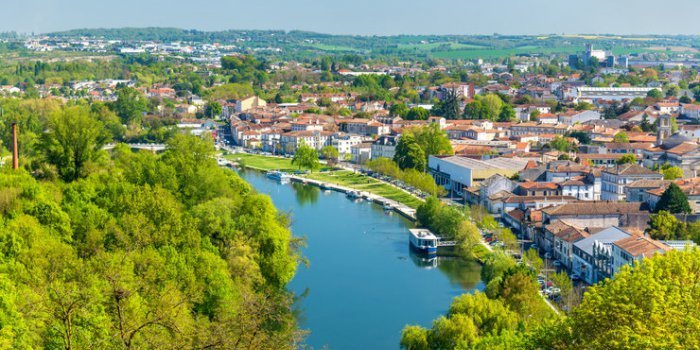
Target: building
{"points": [[588, 263], [289, 142], [591, 94], [599, 214], [457, 173], [361, 153], [344, 142], [635, 248], [250, 102], [614, 180], [384, 147]]}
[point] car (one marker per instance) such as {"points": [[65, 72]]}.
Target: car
{"points": [[556, 263], [547, 255], [533, 246], [575, 277], [552, 291]]}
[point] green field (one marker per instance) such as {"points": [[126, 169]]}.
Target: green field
{"points": [[494, 53], [367, 184], [430, 46], [335, 48]]}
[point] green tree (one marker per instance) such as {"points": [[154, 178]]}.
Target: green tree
{"points": [[672, 172], [213, 109], [330, 154], [634, 309], [409, 154], [130, 105], [673, 200], [628, 158], [560, 144], [432, 140], [448, 107], [473, 110], [492, 105], [581, 136], [664, 226], [417, 113], [533, 259], [72, 139], [507, 114], [621, 137], [306, 157], [399, 110], [414, 338], [655, 94]]}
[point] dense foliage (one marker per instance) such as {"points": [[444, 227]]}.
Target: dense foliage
{"points": [[143, 251]]}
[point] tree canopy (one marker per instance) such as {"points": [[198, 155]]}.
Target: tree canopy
{"points": [[143, 251], [673, 200], [306, 157]]}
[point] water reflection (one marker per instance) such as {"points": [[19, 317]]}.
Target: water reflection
{"points": [[305, 194], [466, 274]]}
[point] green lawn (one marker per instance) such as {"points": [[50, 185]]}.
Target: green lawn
{"points": [[262, 162], [367, 184]]}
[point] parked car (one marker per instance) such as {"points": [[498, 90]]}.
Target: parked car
{"points": [[575, 277], [547, 255], [556, 263], [552, 291]]}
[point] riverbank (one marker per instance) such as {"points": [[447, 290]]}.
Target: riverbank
{"points": [[328, 176]]}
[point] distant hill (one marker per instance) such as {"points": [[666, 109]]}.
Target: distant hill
{"points": [[415, 46]]}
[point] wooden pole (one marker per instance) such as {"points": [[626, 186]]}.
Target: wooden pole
{"points": [[15, 153]]}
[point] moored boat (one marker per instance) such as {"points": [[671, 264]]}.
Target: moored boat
{"points": [[423, 241], [354, 195], [278, 175]]}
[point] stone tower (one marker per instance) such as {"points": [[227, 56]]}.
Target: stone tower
{"points": [[664, 129]]}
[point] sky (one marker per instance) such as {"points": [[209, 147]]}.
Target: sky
{"points": [[361, 17]]}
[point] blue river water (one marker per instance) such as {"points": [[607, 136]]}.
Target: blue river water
{"points": [[362, 284]]}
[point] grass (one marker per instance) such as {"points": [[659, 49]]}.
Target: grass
{"points": [[367, 184], [334, 48], [341, 177], [492, 53], [430, 46]]}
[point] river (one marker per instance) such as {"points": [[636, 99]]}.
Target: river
{"points": [[362, 284]]}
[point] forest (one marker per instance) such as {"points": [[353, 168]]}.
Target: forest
{"points": [[126, 249]]}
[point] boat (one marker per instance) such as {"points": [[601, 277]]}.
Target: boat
{"points": [[278, 175], [354, 195], [324, 187], [423, 241], [388, 207]]}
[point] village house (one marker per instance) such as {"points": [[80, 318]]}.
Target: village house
{"points": [[384, 147], [635, 248], [599, 214], [588, 263], [615, 179]]}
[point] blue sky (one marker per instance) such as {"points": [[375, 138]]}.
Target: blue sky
{"points": [[366, 17]]}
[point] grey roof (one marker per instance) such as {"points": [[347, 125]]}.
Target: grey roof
{"points": [[609, 235]]}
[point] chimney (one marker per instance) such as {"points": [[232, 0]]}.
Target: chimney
{"points": [[15, 153]]}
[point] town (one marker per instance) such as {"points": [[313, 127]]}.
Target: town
{"points": [[567, 166]]}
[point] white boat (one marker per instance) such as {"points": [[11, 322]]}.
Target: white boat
{"points": [[388, 207], [278, 175], [423, 241]]}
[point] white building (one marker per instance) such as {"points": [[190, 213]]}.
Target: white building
{"points": [[615, 179], [587, 262]]}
